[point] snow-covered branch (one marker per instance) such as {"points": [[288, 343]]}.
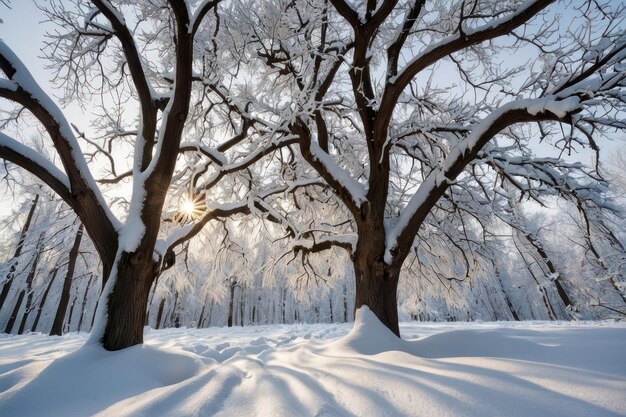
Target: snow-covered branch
{"points": [[401, 231], [35, 163]]}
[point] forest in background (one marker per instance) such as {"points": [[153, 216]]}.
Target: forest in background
{"points": [[294, 163], [54, 274]]}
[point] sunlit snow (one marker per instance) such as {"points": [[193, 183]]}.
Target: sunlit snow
{"points": [[478, 369]]}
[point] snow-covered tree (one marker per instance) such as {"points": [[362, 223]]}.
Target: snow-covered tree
{"points": [[164, 134], [413, 113]]}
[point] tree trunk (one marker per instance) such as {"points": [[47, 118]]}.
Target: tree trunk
{"points": [[70, 315], [20, 244], [59, 317], [128, 299], [283, 306], [376, 287], [241, 307], [16, 310], [506, 296], [230, 304], [160, 313], [29, 283], [84, 304], [42, 303], [345, 303], [199, 322]]}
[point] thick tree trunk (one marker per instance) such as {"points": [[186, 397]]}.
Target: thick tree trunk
{"points": [[376, 287], [59, 317], [127, 302]]}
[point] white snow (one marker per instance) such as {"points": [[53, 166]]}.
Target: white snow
{"points": [[357, 191], [36, 157], [461, 369], [25, 80]]}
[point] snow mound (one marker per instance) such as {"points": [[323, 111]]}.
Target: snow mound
{"points": [[441, 370], [369, 336], [98, 378], [472, 343]]}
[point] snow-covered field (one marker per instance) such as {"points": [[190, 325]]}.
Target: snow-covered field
{"points": [[479, 369]]}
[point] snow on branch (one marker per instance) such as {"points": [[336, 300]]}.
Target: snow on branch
{"points": [[35, 163], [351, 192], [401, 231], [22, 88], [215, 211], [201, 11], [320, 244], [461, 40]]}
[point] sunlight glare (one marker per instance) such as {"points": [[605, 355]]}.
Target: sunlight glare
{"points": [[188, 207]]}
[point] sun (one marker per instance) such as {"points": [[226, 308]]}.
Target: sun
{"points": [[190, 208]]}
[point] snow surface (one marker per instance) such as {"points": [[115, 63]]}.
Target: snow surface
{"points": [[477, 369]]}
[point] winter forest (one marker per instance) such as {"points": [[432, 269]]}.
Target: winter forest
{"points": [[181, 178]]}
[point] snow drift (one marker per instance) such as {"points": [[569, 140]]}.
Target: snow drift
{"points": [[479, 369]]}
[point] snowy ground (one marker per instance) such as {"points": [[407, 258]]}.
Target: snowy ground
{"points": [[480, 369]]}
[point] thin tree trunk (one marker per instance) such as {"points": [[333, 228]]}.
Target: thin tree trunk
{"points": [[541, 288], [330, 305], [283, 302], [207, 319], [175, 316], [229, 322], [506, 296], [555, 275], [84, 304], [16, 309], [345, 303], [42, 303], [29, 283], [71, 313], [20, 244], [241, 306], [153, 292], [59, 317], [160, 313], [199, 322]]}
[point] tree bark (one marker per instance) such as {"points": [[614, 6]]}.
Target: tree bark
{"points": [[84, 304], [59, 317], [44, 297], [71, 314], [345, 303], [230, 304], [376, 288], [160, 313], [20, 244], [16, 309], [127, 302], [29, 283]]}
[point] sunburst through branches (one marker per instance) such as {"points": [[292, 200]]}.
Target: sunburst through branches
{"points": [[190, 208]]}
